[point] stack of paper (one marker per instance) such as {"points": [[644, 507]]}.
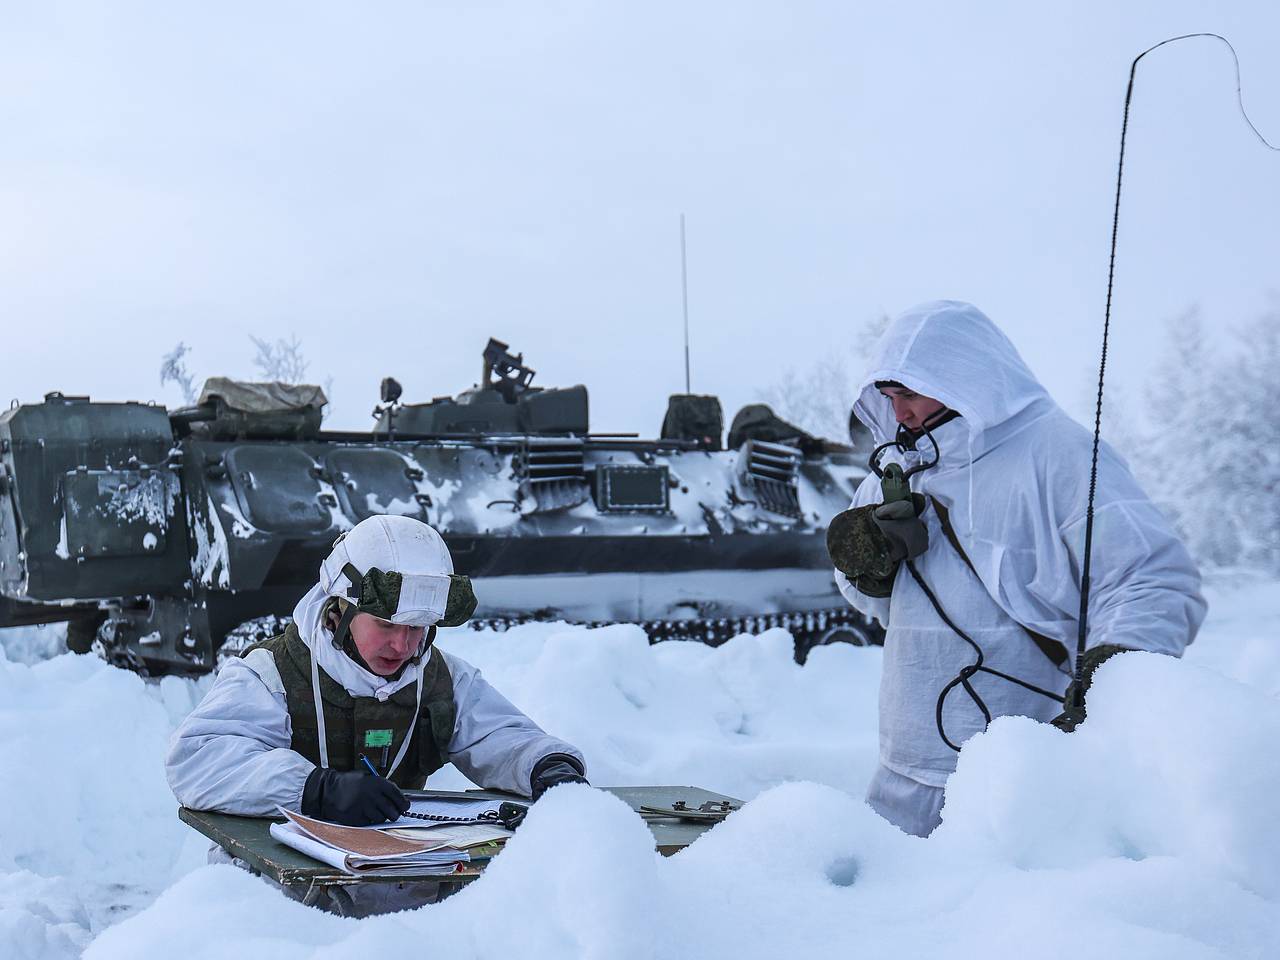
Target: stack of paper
{"points": [[462, 836], [363, 852]]}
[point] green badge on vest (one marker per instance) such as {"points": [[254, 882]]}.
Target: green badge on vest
{"points": [[377, 738]]}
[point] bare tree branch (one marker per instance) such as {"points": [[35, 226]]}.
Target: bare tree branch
{"points": [[281, 359], [820, 399], [174, 370]]}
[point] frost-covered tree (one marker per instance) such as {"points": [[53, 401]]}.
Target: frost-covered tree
{"points": [[1211, 447], [1121, 426], [281, 359], [173, 369], [820, 398], [817, 399], [1182, 443], [1245, 398], [328, 393]]}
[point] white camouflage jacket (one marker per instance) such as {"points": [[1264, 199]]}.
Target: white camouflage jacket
{"points": [[1014, 478]]}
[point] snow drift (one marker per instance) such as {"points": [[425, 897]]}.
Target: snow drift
{"points": [[1149, 832]]}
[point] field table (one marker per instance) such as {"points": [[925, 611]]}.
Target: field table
{"points": [[249, 839]]}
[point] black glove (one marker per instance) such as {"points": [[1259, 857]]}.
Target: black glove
{"points": [[553, 770], [1072, 716], [902, 527], [355, 798]]}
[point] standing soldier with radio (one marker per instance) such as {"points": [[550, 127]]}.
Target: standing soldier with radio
{"points": [[966, 543]]}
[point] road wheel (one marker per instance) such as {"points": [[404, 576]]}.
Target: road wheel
{"points": [[82, 631]]}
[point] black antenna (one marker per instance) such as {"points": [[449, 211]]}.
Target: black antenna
{"points": [[1077, 700], [684, 293]]}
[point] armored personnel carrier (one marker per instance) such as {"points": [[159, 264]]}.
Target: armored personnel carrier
{"points": [[160, 536]]}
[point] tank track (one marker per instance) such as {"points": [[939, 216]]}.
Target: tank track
{"points": [[240, 639], [812, 629]]}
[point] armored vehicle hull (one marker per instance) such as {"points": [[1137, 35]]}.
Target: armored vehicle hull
{"points": [[160, 537]]}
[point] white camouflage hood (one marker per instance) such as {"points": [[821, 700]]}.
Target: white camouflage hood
{"points": [[951, 351]]}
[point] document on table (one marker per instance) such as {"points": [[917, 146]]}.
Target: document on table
{"points": [[364, 853], [459, 835]]}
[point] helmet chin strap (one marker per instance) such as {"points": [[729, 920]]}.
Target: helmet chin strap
{"points": [[343, 629], [428, 639]]}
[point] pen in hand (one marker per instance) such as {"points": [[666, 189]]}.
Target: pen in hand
{"points": [[405, 812], [391, 803], [509, 815]]}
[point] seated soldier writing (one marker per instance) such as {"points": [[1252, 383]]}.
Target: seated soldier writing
{"points": [[357, 673]]}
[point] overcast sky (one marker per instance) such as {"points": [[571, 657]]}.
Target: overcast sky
{"points": [[394, 183]]}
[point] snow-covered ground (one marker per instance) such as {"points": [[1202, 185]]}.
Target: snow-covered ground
{"points": [[1152, 831]]}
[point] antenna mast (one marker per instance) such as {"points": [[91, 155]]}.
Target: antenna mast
{"points": [[684, 292], [1076, 706]]}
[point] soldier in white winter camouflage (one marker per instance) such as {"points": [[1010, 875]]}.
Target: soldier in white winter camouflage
{"points": [[966, 544]]}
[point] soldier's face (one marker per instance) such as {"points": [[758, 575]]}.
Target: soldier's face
{"points": [[910, 408], [385, 646]]}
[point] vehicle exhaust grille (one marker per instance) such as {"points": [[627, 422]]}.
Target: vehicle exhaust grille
{"points": [[771, 470], [551, 472]]}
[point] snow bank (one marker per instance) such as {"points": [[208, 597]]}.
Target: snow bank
{"points": [[88, 743], [735, 719], [87, 826], [1240, 639], [33, 644], [1149, 832]]}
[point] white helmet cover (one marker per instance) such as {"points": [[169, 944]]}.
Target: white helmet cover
{"points": [[400, 545]]}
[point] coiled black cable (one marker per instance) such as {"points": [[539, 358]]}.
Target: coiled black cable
{"points": [[966, 674]]}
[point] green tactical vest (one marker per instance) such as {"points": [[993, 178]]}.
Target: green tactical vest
{"points": [[356, 725]]}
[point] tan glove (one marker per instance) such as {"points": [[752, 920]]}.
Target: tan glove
{"points": [[1094, 657]]}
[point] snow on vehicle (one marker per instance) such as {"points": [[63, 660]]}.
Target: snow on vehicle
{"points": [[162, 535]]}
